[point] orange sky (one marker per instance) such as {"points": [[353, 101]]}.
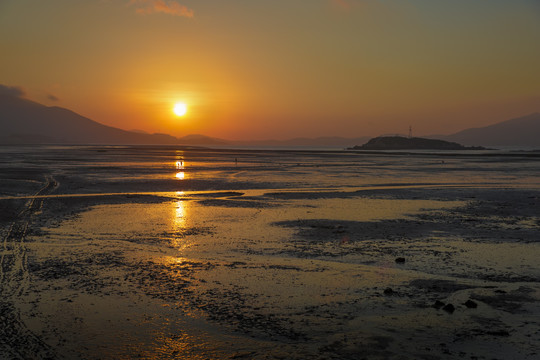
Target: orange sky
{"points": [[277, 69]]}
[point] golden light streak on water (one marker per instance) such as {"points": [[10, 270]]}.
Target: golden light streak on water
{"points": [[179, 220], [180, 166]]}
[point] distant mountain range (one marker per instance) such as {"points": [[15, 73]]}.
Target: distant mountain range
{"points": [[27, 122], [522, 131]]}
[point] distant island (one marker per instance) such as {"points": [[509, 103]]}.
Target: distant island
{"points": [[413, 143]]}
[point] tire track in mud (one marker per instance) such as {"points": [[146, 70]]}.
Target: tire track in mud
{"points": [[16, 340]]}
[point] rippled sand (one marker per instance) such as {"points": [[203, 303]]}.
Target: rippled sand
{"points": [[142, 252]]}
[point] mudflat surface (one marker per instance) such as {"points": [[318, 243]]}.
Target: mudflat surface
{"points": [[166, 253]]}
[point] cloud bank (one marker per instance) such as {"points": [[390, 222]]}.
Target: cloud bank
{"points": [[11, 90], [160, 6]]}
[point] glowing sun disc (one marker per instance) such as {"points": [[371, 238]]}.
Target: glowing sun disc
{"points": [[180, 109]]}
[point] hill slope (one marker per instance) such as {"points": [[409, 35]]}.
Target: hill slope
{"points": [[522, 131], [23, 121], [27, 122]]}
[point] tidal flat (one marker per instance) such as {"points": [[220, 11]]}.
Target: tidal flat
{"points": [[126, 252]]}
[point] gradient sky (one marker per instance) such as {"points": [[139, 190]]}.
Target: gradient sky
{"points": [[278, 69]]}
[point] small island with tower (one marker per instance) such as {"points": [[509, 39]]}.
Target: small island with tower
{"points": [[411, 143], [398, 142]]}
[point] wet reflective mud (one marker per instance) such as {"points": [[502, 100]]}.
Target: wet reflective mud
{"points": [[110, 253]]}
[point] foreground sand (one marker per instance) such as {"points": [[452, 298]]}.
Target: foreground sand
{"points": [[236, 264]]}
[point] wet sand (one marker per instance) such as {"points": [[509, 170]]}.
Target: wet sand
{"points": [[164, 253]]}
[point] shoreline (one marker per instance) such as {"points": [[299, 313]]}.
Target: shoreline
{"points": [[512, 151]]}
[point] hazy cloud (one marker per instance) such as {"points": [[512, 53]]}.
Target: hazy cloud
{"points": [[11, 90], [352, 4], [170, 7], [345, 4], [52, 97]]}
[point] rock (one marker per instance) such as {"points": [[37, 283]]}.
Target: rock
{"points": [[438, 304], [400, 260], [389, 291], [449, 308], [470, 304]]}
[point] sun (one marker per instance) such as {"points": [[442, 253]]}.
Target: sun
{"points": [[180, 109]]}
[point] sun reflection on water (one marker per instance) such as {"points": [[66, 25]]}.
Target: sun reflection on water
{"points": [[179, 218], [180, 166], [179, 221]]}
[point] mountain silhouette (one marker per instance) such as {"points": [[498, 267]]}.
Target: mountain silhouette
{"points": [[522, 131], [25, 121]]}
